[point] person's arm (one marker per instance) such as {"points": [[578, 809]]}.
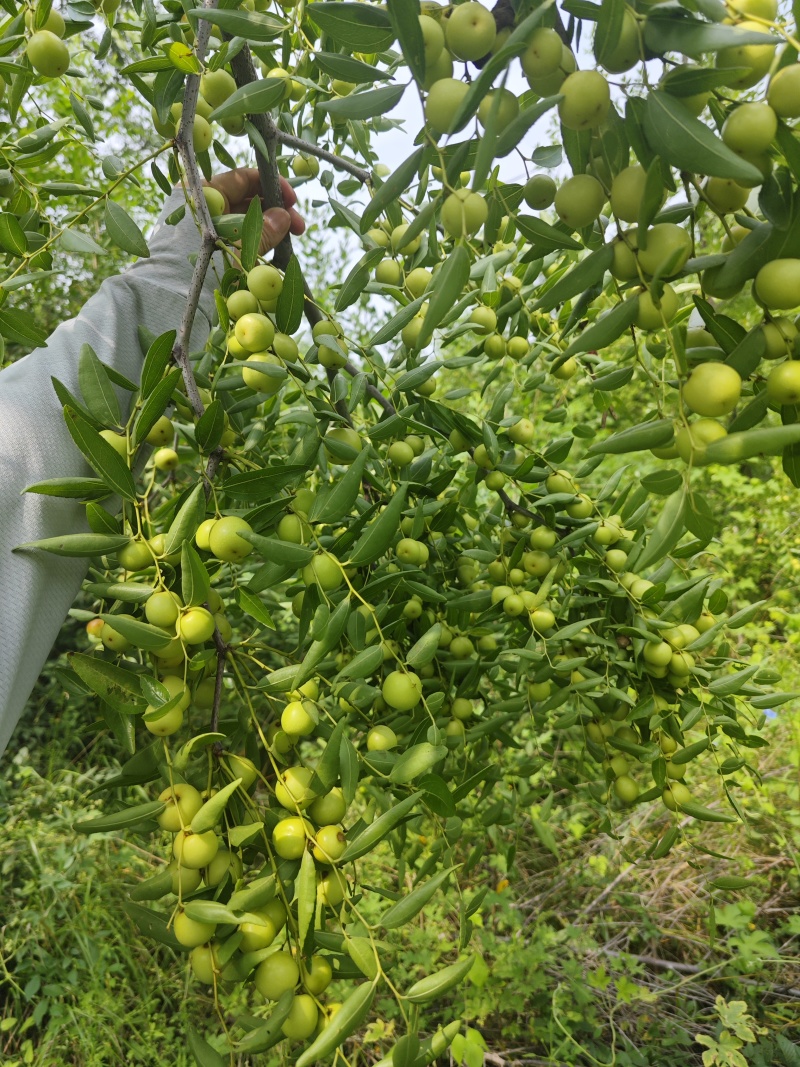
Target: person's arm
{"points": [[37, 588]]}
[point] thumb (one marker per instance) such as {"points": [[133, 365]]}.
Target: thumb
{"points": [[276, 227]]}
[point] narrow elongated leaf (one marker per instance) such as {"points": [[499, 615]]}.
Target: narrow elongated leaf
{"points": [[417, 760], [155, 405], [413, 903], [589, 271], [12, 236], [251, 233], [349, 69], [158, 358], [436, 985], [120, 820], [195, 584], [356, 281], [366, 105], [204, 1054], [450, 282], [251, 25], [252, 606], [397, 183], [605, 329], [101, 456], [306, 890], [265, 1037], [252, 99], [119, 688], [377, 830], [188, 518], [635, 438], [289, 313], [379, 534], [511, 135], [96, 388], [358, 27], [336, 501], [404, 16], [667, 531], [123, 231], [141, 634], [19, 326], [344, 1023], [78, 545], [72, 488], [688, 144]]}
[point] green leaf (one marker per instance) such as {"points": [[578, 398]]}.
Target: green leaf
{"points": [[635, 438], [703, 814], [195, 583], [251, 233], [18, 326], [73, 488], [378, 830], [344, 1023], [158, 358], [422, 652], [348, 69], [436, 985], [78, 545], [605, 330], [412, 904], [404, 16], [275, 550], [80, 243], [251, 25], [119, 688], [397, 183], [264, 1037], [141, 634], [510, 137], [334, 502], [688, 144], [379, 534], [546, 238], [306, 891], [356, 281], [96, 388], [450, 282], [362, 953], [289, 313], [364, 663], [130, 592], [396, 323], [155, 406], [589, 271], [609, 27], [211, 812], [12, 236], [358, 27], [121, 820], [366, 105], [210, 427], [676, 31], [667, 531], [189, 516], [123, 231], [252, 606], [204, 1054], [255, 98], [101, 456], [417, 760], [767, 441], [182, 57]]}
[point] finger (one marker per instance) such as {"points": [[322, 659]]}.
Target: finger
{"points": [[239, 186], [289, 195], [277, 222], [298, 223]]}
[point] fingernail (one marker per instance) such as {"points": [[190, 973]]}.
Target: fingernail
{"points": [[276, 224]]}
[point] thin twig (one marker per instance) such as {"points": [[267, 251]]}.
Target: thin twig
{"points": [[299, 145], [185, 147]]}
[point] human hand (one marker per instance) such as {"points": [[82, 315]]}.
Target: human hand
{"points": [[240, 186]]}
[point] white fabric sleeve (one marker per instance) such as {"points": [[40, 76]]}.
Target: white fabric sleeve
{"points": [[37, 588]]}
